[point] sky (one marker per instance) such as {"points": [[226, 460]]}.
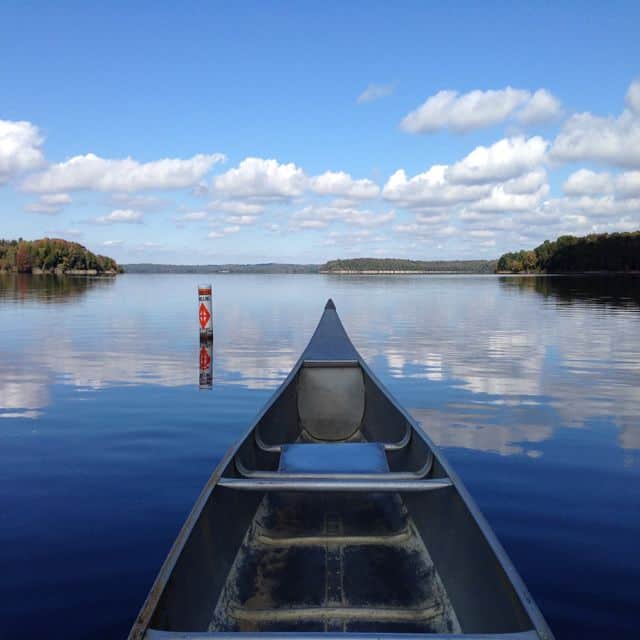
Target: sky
{"points": [[301, 132]]}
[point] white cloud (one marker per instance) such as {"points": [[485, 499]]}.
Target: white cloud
{"points": [[112, 243], [319, 217], [598, 206], [527, 183], [585, 182], [261, 178], [221, 233], [477, 109], [139, 202], [120, 215], [236, 207], [49, 204], [91, 172], [193, 216], [609, 140], [339, 183], [241, 220], [500, 200], [504, 159], [429, 189], [375, 92], [628, 184], [542, 107], [632, 99], [20, 143]]}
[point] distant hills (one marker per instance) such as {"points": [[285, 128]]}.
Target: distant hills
{"points": [[53, 255], [614, 252], [351, 266], [267, 267]]}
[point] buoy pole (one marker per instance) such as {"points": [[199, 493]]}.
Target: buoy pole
{"points": [[205, 312]]}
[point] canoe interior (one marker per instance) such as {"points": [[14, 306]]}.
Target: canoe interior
{"points": [[283, 540], [354, 562]]}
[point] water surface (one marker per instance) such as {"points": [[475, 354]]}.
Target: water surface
{"points": [[530, 384]]}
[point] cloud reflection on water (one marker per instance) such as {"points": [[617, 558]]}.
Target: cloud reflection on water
{"points": [[499, 347]]}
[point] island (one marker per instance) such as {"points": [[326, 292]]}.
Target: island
{"points": [[53, 255], [604, 252], [383, 266]]}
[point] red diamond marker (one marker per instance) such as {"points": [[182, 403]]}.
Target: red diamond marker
{"points": [[205, 358], [205, 316]]}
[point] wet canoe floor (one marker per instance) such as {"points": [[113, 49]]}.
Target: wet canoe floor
{"points": [[335, 562]]}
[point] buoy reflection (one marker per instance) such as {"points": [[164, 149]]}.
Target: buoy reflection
{"points": [[206, 362]]}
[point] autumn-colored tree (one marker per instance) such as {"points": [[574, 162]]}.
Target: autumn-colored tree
{"points": [[23, 258]]}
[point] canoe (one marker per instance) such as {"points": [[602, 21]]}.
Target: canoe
{"points": [[336, 515]]}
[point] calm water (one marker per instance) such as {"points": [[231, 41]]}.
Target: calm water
{"points": [[531, 385]]}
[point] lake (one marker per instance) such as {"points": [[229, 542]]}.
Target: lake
{"points": [[531, 385]]}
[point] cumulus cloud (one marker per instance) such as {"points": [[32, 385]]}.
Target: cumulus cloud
{"points": [[632, 99], [50, 203], [541, 107], [20, 148], [339, 183], [609, 140], [139, 202], [91, 172], [225, 231], [527, 183], [375, 92], [193, 216], [241, 220], [320, 217], [504, 159], [500, 200], [112, 243], [598, 206], [261, 178], [429, 189], [120, 216], [628, 184], [236, 207], [461, 113], [585, 182]]}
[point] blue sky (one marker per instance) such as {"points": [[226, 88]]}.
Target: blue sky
{"points": [[213, 132]]}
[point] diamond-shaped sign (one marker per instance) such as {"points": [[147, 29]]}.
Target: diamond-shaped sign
{"points": [[205, 358], [204, 314]]}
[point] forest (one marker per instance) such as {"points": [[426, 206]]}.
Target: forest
{"points": [[398, 265], [52, 255], [570, 254]]}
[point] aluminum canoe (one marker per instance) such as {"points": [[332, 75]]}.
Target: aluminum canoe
{"points": [[336, 516]]}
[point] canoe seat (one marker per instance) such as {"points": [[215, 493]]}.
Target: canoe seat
{"points": [[331, 401], [343, 458]]}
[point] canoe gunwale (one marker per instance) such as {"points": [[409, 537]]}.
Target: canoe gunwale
{"points": [[143, 618], [542, 629]]}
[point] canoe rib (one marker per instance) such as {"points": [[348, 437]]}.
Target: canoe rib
{"points": [[154, 634]]}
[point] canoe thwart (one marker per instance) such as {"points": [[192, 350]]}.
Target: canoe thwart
{"points": [[331, 485]]}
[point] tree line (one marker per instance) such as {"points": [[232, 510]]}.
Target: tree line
{"points": [[400, 265], [595, 252], [50, 255]]}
